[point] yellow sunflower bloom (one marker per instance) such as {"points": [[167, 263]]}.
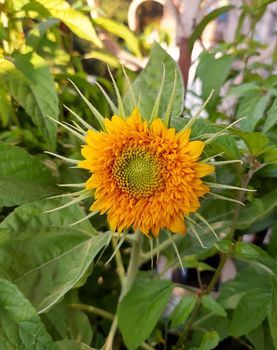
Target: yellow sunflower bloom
{"points": [[145, 176]]}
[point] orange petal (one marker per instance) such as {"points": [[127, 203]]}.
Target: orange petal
{"points": [[177, 226]]}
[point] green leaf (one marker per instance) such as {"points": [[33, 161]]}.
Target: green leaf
{"points": [[250, 251], [271, 119], [250, 311], [72, 345], [75, 20], [209, 341], [252, 106], [30, 83], [205, 21], [224, 143], [211, 304], [65, 322], [213, 72], [6, 110], [255, 141], [256, 337], [241, 90], [20, 326], [141, 309], [257, 210], [224, 245], [42, 255], [251, 278], [23, 178], [103, 56], [122, 32], [182, 310], [273, 312], [148, 83]]}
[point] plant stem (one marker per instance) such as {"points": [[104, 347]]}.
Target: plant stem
{"points": [[119, 264], [92, 309], [133, 265], [127, 283]]}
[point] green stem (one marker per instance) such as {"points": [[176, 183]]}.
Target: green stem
{"points": [[92, 309], [133, 265], [127, 283], [119, 264]]}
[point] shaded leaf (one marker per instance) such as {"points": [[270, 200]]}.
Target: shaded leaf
{"points": [[257, 210], [273, 312], [250, 311], [209, 341], [42, 255], [20, 326], [211, 304], [182, 310], [23, 178], [271, 119]]}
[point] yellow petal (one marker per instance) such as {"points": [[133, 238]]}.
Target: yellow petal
{"points": [[157, 127], [195, 148], [203, 169]]}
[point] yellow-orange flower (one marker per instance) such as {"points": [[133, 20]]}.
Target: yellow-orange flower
{"points": [[145, 176]]}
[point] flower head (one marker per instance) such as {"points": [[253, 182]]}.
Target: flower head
{"points": [[144, 175]]}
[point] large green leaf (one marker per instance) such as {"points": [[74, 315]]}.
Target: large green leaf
{"points": [[20, 326], [273, 312], [141, 309], [42, 255], [250, 311], [23, 178], [148, 83], [30, 83], [213, 72], [75, 20]]}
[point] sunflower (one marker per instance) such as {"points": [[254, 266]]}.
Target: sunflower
{"points": [[144, 175]]}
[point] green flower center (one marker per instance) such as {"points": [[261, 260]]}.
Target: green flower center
{"points": [[137, 172]]}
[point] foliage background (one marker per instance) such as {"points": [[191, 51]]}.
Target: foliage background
{"points": [[56, 290]]}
